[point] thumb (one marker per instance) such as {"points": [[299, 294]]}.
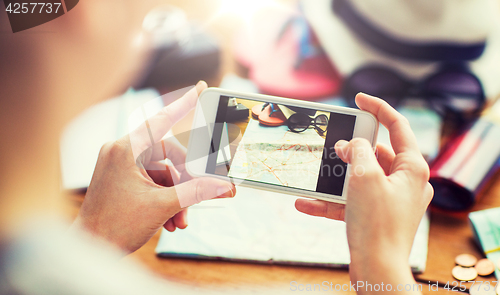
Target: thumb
{"points": [[357, 152], [202, 189]]}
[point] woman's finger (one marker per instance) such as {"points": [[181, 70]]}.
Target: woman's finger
{"points": [[162, 174], [385, 157], [169, 225], [408, 158], [193, 192], [180, 219], [321, 208], [402, 137], [171, 149], [359, 153], [155, 128]]}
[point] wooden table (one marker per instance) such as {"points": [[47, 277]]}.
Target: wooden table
{"points": [[450, 235]]}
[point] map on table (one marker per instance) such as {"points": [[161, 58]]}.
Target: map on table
{"points": [[276, 155]]}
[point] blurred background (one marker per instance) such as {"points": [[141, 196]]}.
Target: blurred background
{"points": [[437, 62]]}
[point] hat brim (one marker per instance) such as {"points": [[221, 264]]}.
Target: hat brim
{"points": [[348, 53]]}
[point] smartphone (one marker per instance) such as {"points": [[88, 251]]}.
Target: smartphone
{"points": [[275, 143]]}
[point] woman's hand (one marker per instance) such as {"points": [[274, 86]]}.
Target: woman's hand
{"points": [[386, 197], [132, 194]]}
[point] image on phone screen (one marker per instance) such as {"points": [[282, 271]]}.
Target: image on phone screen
{"points": [[279, 145]]}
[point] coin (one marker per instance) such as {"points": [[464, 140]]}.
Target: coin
{"points": [[482, 289], [466, 260], [485, 267], [464, 273]]}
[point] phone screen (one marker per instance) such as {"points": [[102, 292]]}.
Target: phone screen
{"points": [[279, 145]]}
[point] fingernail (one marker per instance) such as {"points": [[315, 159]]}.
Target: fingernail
{"points": [[224, 191], [340, 144], [200, 86], [367, 95], [200, 83]]}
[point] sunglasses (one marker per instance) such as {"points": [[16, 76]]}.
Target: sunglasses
{"points": [[452, 89], [300, 122]]}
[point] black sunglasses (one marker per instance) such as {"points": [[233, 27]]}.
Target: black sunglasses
{"points": [[300, 122], [452, 89]]}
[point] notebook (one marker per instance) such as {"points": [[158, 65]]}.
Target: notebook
{"points": [[486, 228]]}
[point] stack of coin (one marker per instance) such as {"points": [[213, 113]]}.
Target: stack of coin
{"points": [[468, 267], [464, 273], [485, 267]]}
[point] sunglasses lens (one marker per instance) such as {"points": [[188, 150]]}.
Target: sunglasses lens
{"points": [[321, 122], [464, 92], [376, 81], [456, 82], [299, 122]]}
